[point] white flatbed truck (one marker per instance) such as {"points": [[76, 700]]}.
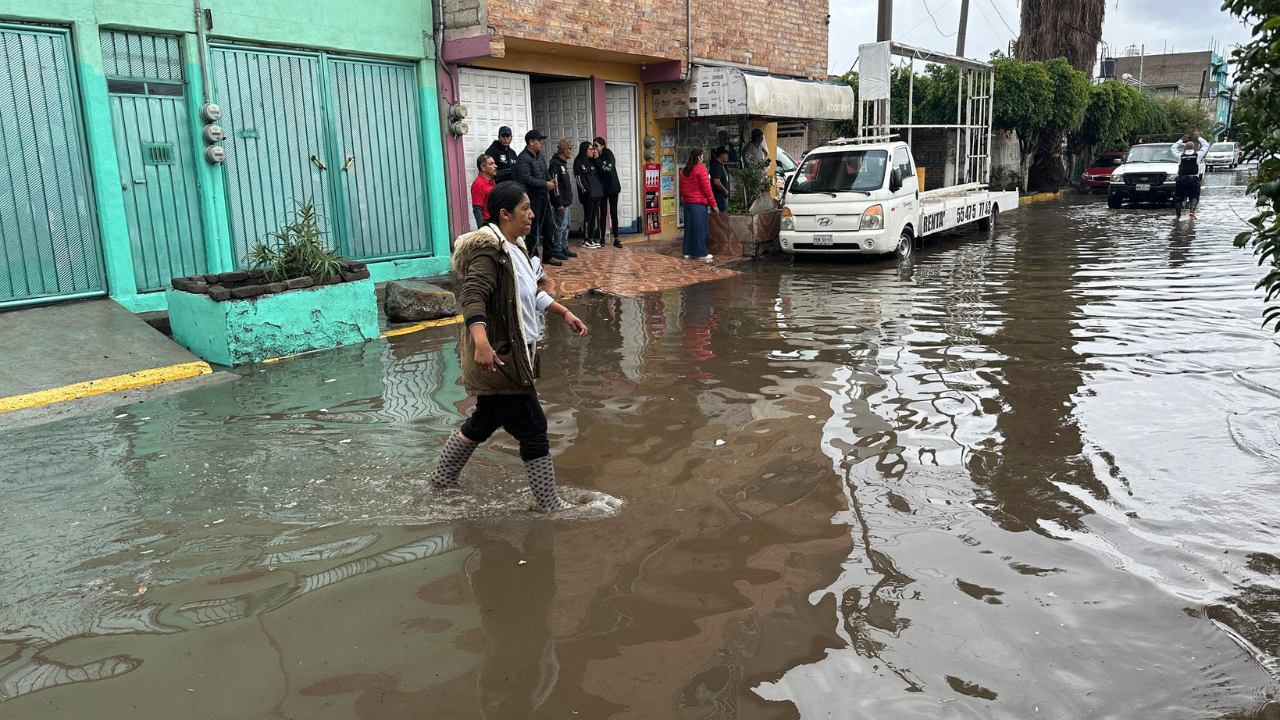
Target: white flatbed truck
{"points": [[862, 195]]}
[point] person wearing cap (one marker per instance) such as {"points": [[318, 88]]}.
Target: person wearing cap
{"points": [[720, 177], [562, 199], [756, 148], [531, 172], [503, 156]]}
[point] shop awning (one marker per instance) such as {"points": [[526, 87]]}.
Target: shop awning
{"points": [[726, 91]]}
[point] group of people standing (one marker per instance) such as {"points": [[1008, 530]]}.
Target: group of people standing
{"points": [[592, 173]]}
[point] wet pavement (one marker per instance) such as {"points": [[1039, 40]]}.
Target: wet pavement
{"points": [[1033, 474]]}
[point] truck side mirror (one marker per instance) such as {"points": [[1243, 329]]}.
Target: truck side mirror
{"points": [[895, 180]]}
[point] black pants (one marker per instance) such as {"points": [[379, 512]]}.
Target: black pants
{"points": [[520, 415], [544, 227], [1187, 187], [591, 217], [609, 209]]}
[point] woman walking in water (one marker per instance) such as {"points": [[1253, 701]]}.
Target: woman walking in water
{"points": [[502, 309]]}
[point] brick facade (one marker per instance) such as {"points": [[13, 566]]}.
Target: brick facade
{"points": [[785, 38], [1195, 76]]}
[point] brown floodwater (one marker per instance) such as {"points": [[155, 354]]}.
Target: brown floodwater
{"points": [[1034, 474]]}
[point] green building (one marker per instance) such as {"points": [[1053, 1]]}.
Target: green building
{"points": [[105, 184]]}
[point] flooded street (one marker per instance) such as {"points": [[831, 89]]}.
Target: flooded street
{"points": [[1034, 474]]}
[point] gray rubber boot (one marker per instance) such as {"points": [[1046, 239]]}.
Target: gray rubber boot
{"points": [[453, 458], [542, 481]]}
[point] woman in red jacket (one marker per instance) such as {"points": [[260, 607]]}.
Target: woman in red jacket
{"points": [[698, 201]]}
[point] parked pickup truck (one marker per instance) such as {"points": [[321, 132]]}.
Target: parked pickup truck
{"points": [[1148, 175], [856, 196]]}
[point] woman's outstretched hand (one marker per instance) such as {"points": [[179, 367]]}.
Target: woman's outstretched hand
{"points": [[578, 327]]}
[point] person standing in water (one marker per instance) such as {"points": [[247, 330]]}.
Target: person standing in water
{"points": [[502, 309], [1188, 182]]}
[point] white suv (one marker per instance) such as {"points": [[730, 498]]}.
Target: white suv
{"points": [[1222, 154]]}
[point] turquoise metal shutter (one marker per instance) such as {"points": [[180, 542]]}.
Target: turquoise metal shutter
{"points": [[379, 150], [48, 239], [154, 149], [276, 150]]}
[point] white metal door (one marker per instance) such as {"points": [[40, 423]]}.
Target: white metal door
{"points": [[493, 99], [620, 125], [563, 110]]}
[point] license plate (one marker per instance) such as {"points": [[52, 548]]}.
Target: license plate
{"points": [[823, 240], [1143, 188]]}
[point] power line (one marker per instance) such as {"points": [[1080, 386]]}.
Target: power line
{"points": [[917, 25], [1001, 16], [994, 31], [935, 20]]}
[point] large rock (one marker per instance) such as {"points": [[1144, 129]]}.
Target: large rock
{"points": [[414, 301]]}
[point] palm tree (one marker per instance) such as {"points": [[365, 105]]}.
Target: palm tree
{"points": [[1062, 28]]}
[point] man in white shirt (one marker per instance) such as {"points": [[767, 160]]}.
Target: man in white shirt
{"points": [[756, 148]]}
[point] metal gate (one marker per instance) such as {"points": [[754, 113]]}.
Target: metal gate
{"points": [[379, 146], [620, 122], [49, 245], [341, 133], [277, 151], [154, 153], [563, 110], [494, 99]]}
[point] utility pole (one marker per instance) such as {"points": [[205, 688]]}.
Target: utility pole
{"points": [[884, 21], [964, 26]]}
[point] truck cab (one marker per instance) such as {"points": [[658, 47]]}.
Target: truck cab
{"points": [[852, 197]]}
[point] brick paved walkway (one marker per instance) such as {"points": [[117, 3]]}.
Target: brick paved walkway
{"points": [[627, 271]]}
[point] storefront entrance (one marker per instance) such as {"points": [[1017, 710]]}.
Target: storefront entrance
{"points": [[563, 110], [493, 99]]}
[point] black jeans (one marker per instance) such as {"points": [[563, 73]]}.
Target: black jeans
{"points": [[591, 229], [609, 208], [544, 226], [520, 415]]}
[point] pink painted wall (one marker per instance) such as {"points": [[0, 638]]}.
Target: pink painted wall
{"points": [[456, 177]]}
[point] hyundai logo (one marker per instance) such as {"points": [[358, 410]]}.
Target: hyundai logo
{"points": [[824, 221]]}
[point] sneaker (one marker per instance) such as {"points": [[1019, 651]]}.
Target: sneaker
{"points": [[688, 257], [559, 255], [706, 257], [591, 245], [616, 242], [568, 254], [552, 261]]}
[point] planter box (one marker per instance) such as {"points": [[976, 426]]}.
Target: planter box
{"points": [[235, 332], [743, 234]]}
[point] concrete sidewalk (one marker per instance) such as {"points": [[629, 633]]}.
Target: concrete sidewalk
{"points": [[70, 351]]}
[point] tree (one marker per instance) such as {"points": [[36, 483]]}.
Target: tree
{"points": [[1113, 114], [1066, 109], [1053, 28], [1258, 115], [1021, 104]]}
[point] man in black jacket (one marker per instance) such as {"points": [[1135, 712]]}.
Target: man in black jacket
{"points": [[503, 156], [532, 173], [562, 199]]}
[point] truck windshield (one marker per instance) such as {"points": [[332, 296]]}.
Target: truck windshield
{"points": [[850, 171], [1221, 147], [1151, 154]]}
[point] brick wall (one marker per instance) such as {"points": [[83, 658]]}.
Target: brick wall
{"points": [[787, 37], [1186, 70]]}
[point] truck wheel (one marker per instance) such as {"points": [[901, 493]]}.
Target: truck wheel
{"points": [[987, 223], [1114, 201], [906, 246]]}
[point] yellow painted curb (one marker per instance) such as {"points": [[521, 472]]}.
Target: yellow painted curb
{"points": [[128, 381], [422, 326], [1040, 197]]}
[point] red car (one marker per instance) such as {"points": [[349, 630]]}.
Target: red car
{"points": [[1098, 175]]}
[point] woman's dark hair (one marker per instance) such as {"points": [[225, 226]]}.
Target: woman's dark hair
{"points": [[583, 148], [481, 162], [695, 157], [505, 196], [600, 142]]}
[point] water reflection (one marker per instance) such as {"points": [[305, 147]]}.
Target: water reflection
{"points": [[854, 489]]}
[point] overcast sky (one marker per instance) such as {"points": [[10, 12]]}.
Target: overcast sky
{"points": [[1183, 24]]}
